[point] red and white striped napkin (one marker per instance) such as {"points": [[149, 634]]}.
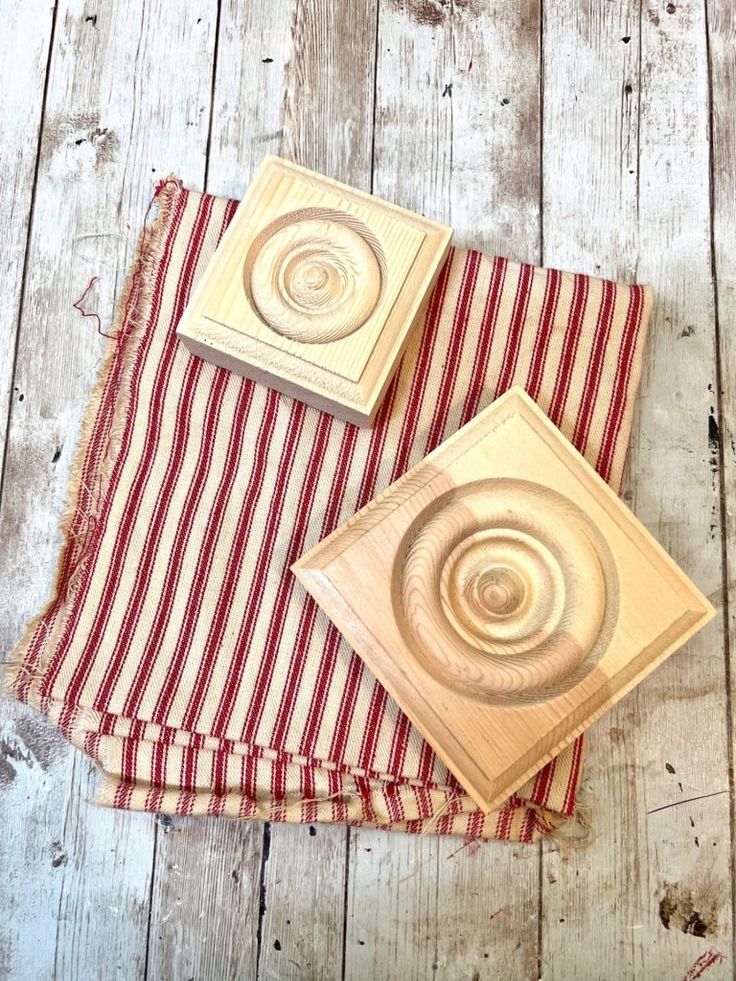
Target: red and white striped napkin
{"points": [[179, 651]]}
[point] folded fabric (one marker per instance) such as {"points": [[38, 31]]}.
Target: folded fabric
{"points": [[179, 651]]}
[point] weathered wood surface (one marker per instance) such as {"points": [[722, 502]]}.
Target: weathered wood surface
{"points": [[629, 103], [76, 879], [574, 132]]}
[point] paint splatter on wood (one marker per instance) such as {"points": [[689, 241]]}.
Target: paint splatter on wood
{"points": [[703, 963]]}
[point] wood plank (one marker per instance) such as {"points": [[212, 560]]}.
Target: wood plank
{"points": [[22, 84], [205, 899], [440, 907], [327, 125], [248, 91], [626, 194], [59, 856], [448, 144], [250, 114], [303, 902], [105, 138], [721, 24], [327, 119], [187, 929]]}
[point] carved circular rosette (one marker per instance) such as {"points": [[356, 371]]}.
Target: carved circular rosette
{"points": [[314, 275], [505, 591]]}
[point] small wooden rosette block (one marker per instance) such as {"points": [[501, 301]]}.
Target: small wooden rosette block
{"points": [[314, 290], [504, 595]]}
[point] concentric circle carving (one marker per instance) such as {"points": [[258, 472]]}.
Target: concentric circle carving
{"points": [[315, 275], [505, 591]]}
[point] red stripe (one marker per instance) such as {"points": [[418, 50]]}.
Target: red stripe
{"points": [[104, 608], [572, 780], [160, 509], [258, 584], [309, 609], [621, 383], [427, 761], [203, 567], [424, 360], [518, 317], [333, 639], [475, 824], [286, 586], [308, 794], [152, 647], [479, 375], [526, 833], [569, 348], [405, 446], [98, 446], [454, 353], [150, 549], [544, 332], [595, 365], [542, 784], [505, 817]]}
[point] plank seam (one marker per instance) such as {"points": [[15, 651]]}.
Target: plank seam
{"points": [[722, 509], [154, 856], [215, 52], [31, 211], [375, 99], [265, 855]]}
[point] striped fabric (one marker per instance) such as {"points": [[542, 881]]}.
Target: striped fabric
{"points": [[179, 652]]}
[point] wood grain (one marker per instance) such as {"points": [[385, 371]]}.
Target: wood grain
{"points": [[437, 907], [205, 899], [721, 27], [626, 98], [304, 898], [23, 75]]}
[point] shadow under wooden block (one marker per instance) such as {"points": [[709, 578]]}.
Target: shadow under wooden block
{"points": [[504, 596], [314, 290]]}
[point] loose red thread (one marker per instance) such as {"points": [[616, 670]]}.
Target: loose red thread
{"points": [[126, 321], [77, 305], [132, 295]]}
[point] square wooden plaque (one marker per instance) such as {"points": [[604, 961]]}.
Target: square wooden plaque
{"points": [[314, 290], [504, 596]]}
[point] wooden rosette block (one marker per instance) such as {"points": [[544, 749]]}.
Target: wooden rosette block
{"points": [[504, 596], [314, 290]]}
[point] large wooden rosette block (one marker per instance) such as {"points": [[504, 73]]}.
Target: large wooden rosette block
{"points": [[503, 595]]}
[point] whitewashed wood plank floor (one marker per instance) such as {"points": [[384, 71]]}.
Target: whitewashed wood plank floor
{"points": [[596, 135]]}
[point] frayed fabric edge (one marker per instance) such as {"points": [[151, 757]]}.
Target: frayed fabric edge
{"points": [[22, 673]]}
